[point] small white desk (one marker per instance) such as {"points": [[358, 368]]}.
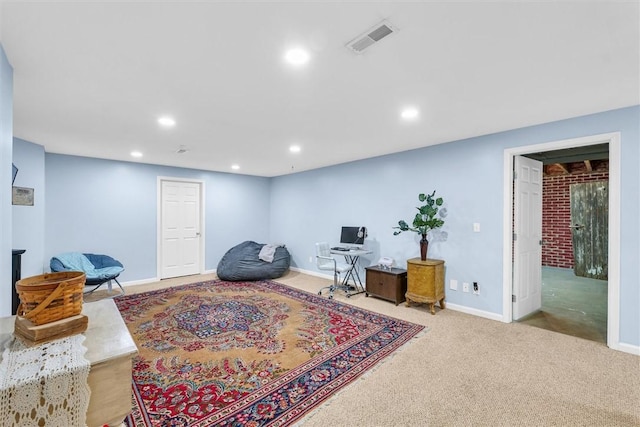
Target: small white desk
{"points": [[110, 349], [352, 256]]}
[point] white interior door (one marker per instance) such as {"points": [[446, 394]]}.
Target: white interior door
{"points": [[527, 244], [180, 229]]}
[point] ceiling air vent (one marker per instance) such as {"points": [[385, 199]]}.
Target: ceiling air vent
{"points": [[373, 35]]}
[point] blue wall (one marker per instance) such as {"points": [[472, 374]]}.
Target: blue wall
{"points": [[28, 221], [105, 206], [108, 206], [469, 175], [6, 149]]}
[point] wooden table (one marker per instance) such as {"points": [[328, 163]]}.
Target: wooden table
{"points": [[110, 349], [425, 282]]}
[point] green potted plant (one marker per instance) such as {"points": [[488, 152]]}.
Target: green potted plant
{"points": [[426, 219]]}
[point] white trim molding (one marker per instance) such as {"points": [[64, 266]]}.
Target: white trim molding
{"points": [[139, 282], [312, 273], [475, 312]]}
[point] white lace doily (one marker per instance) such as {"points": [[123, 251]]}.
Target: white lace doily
{"points": [[45, 384]]}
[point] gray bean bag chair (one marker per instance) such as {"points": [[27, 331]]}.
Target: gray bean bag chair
{"points": [[254, 261]]}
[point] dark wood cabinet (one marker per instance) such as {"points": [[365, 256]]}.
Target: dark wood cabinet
{"points": [[389, 284]]}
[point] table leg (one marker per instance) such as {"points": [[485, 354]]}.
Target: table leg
{"points": [[353, 274]]}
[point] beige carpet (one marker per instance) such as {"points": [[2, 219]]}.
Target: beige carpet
{"points": [[472, 371]]}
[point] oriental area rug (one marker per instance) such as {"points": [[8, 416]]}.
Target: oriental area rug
{"points": [[261, 353]]}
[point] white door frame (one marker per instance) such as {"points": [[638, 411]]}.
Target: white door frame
{"points": [[201, 247], [613, 297]]}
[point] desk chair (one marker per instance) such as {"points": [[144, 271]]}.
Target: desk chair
{"points": [[324, 261]]}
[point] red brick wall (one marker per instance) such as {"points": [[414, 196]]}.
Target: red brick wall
{"points": [[557, 250]]}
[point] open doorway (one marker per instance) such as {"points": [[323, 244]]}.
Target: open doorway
{"points": [[574, 252], [613, 232]]}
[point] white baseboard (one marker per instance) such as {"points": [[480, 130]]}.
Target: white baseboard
{"points": [[475, 312], [139, 282], [154, 279], [455, 307], [312, 273], [627, 348]]}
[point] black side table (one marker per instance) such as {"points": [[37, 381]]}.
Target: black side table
{"points": [[16, 268]]}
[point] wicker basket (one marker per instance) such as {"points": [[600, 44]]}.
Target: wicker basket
{"points": [[50, 297]]}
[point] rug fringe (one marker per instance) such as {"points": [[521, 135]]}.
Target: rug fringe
{"points": [[361, 377]]}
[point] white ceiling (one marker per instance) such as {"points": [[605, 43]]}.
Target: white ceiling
{"points": [[91, 78]]}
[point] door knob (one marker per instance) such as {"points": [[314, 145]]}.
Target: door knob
{"points": [[577, 226]]}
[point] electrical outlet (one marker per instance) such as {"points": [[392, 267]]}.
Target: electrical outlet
{"points": [[476, 227], [476, 288], [465, 287], [310, 259], [453, 285]]}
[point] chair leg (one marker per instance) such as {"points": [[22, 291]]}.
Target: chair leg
{"points": [[335, 284], [331, 288], [109, 286], [92, 290], [343, 284], [119, 285]]}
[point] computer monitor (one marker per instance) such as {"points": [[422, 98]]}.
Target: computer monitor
{"points": [[353, 236]]}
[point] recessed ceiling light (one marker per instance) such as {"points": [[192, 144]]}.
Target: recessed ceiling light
{"points": [[235, 167], [166, 121], [136, 154], [410, 113], [297, 56], [295, 148]]}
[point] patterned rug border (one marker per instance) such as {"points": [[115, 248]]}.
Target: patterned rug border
{"points": [[337, 385], [327, 402]]}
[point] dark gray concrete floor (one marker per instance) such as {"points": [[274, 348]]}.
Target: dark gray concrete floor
{"points": [[572, 305]]}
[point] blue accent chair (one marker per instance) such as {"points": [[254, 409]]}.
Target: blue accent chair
{"points": [[99, 269]]}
